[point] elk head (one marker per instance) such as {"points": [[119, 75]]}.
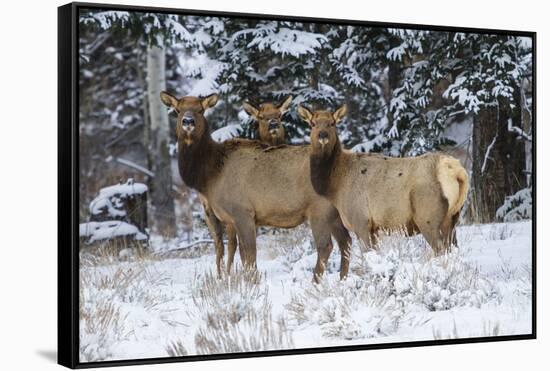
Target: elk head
{"points": [[268, 116], [191, 125], [324, 138]]}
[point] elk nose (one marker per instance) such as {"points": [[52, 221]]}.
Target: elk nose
{"points": [[273, 125], [323, 135], [188, 119]]}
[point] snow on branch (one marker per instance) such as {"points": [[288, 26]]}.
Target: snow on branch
{"points": [[489, 147], [105, 19], [516, 207], [282, 40], [227, 132], [397, 53], [135, 166], [518, 131]]}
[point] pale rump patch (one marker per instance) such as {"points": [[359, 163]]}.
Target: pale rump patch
{"points": [[454, 182]]}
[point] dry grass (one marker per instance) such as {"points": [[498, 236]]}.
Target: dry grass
{"points": [[489, 329], [113, 252], [347, 310], [438, 333], [292, 244], [104, 287], [402, 274], [237, 315], [499, 232], [130, 284], [386, 289], [101, 325], [176, 349], [444, 283]]}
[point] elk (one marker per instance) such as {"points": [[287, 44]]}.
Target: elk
{"points": [[271, 133], [233, 181], [372, 192], [268, 116]]}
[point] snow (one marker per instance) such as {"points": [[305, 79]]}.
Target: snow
{"points": [[227, 132], [463, 95], [167, 300], [100, 231], [202, 72], [171, 299], [516, 207], [368, 146], [396, 54], [109, 198], [459, 131], [283, 40], [106, 18]]}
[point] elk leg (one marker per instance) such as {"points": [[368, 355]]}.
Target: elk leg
{"points": [[323, 243], [343, 238], [448, 231], [365, 234], [454, 222], [246, 231], [231, 246], [215, 228], [434, 237], [432, 221]]}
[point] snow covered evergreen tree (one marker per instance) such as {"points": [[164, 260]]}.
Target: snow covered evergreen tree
{"points": [[130, 101], [404, 88]]}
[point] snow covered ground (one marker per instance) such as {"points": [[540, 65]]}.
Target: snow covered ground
{"points": [[169, 302]]}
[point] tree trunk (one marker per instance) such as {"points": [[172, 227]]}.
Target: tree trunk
{"points": [[498, 160], [394, 79], [162, 200], [526, 126]]}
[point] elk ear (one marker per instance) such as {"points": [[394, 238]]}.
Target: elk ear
{"points": [[284, 106], [209, 101], [168, 99], [340, 113], [250, 109], [305, 114]]}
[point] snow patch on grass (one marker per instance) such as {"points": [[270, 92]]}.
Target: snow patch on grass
{"points": [[165, 302]]}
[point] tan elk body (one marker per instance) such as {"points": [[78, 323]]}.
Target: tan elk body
{"points": [[271, 132], [419, 194], [242, 192]]}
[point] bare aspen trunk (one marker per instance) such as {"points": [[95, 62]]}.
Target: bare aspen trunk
{"points": [[162, 200], [526, 126]]}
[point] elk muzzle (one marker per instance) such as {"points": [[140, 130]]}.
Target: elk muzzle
{"points": [[273, 127], [323, 138], [188, 122]]}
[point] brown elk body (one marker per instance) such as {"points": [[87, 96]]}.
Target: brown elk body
{"points": [[242, 192], [419, 194], [268, 117]]}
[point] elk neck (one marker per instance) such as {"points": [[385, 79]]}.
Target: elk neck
{"points": [[322, 168], [200, 162]]}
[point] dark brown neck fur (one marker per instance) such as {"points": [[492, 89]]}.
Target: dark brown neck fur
{"points": [[200, 161], [321, 169]]}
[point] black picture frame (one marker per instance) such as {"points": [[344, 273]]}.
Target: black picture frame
{"points": [[68, 185]]}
